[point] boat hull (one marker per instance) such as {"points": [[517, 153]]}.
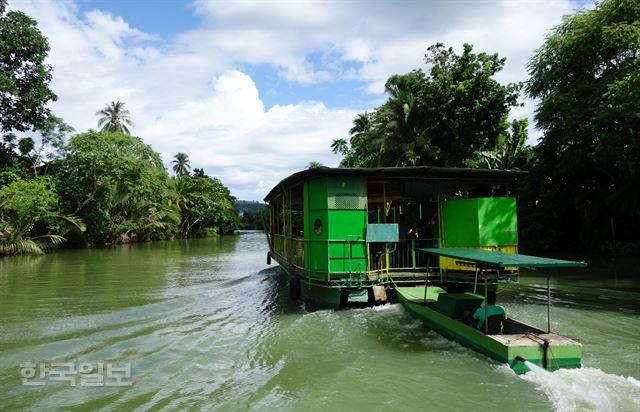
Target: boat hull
{"points": [[562, 352]]}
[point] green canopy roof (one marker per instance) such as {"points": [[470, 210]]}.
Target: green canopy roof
{"points": [[499, 259], [411, 172]]}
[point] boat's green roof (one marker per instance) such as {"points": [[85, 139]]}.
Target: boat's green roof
{"points": [[416, 172], [500, 259]]}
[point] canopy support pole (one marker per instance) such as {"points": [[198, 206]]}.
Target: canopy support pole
{"points": [[548, 304], [486, 304], [475, 283]]}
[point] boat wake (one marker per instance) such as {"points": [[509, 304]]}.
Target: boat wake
{"points": [[586, 389]]}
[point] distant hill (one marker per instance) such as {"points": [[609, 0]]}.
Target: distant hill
{"points": [[252, 206], [252, 214]]}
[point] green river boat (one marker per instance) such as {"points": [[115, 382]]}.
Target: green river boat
{"points": [[503, 339], [366, 236]]}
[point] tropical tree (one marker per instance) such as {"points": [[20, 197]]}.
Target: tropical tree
{"points": [[52, 141], [442, 117], [209, 206], [583, 188], [24, 75], [181, 165], [119, 186], [511, 150], [115, 118], [314, 165], [30, 220]]}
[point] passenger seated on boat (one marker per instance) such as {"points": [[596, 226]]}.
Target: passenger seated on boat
{"points": [[492, 310]]}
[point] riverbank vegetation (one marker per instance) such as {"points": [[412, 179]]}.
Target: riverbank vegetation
{"points": [[91, 188], [104, 188], [583, 189]]}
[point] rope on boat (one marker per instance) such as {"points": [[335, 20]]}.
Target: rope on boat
{"points": [[546, 349]]}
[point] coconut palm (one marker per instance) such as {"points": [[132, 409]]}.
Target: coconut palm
{"points": [[115, 118], [181, 164]]}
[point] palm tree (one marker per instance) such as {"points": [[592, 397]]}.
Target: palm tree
{"points": [[508, 149], [115, 118], [314, 165], [361, 125], [17, 222], [340, 146], [181, 164]]}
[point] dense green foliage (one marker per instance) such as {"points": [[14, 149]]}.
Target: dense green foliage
{"points": [[444, 117], [114, 186], [118, 186], [206, 206], [30, 217], [585, 182], [24, 77]]}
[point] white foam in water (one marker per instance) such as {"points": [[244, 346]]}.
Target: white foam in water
{"points": [[586, 389]]}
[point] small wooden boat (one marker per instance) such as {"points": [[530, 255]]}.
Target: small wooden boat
{"points": [[505, 340]]}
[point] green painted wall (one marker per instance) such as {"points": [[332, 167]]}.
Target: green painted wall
{"points": [[480, 222], [340, 205], [316, 245]]}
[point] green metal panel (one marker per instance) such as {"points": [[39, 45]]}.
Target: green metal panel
{"points": [[317, 194], [320, 295], [497, 221], [316, 257], [316, 248], [347, 224], [348, 193], [460, 222], [382, 232], [305, 210], [347, 265], [358, 249], [417, 294], [454, 304], [489, 221]]}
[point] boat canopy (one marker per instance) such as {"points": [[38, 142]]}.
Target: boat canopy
{"points": [[413, 172], [500, 259]]}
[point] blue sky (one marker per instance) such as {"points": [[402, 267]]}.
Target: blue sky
{"points": [[254, 90], [168, 18], [164, 18]]}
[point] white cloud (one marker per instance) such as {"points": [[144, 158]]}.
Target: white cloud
{"points": [[187, 94]]}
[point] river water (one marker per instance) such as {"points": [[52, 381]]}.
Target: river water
{"points": [[207, 325]]}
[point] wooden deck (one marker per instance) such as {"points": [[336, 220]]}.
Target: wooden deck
{"points": [[527, 339]]}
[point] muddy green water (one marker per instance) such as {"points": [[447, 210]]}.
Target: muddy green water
{"points": [[207, 325]]}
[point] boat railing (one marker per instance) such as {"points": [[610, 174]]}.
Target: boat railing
{"points": [[279, 244], [297, 252], [400, 256], [359, 260]]}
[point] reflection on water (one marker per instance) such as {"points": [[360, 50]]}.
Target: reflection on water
{"points": [[207, 324]]}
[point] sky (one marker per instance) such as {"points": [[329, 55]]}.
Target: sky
{"points": [[253, 91]]}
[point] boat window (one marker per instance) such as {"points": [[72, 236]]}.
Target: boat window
{"points": [[297, 214]]}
